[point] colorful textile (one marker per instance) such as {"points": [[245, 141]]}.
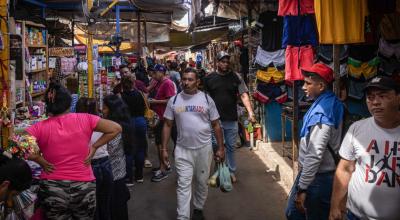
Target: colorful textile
{"points": [[299, 31], [271, 75], [340, 21], [297, 58], [265, 58], [365, 70], [291, 7]]}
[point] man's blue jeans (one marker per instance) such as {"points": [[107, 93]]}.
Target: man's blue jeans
{"points": [[230, 132], [137, 159], [318, 199]]}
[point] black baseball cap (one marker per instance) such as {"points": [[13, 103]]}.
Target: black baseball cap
{"points": [[383, 82], [222, 54]]}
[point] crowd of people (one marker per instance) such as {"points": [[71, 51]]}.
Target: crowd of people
{"points": [[90, 161]]}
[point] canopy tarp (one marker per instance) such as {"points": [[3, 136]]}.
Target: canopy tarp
{"points": [[178, 8]]}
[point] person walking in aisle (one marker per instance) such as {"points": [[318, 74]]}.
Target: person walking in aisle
{"points": [[368, 175], [224, 86], [63, 140], [116, 110], [193, 152], [100, 164], [165, 90], [134, 99], [320, 140]]}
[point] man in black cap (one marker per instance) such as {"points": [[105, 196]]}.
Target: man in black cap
{"points": [[368, 175], [224, 87]]}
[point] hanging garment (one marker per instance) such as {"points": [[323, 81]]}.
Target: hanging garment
{"points": [[271, 75], [342, 69], [297, 58], [271, 25], [325, 53], [268, 92], [291, 7], [388, 50], [389, 66], [299, 31], [265, 58], [356, 88], [362, 52], [340, 21], [363, 70], [390, 26]]}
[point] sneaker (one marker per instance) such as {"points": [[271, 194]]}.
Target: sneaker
{"points": [[198, 214], [168, 170], [148, 164], [129, 184], [155, 170], [159, 176], [140, 180]]}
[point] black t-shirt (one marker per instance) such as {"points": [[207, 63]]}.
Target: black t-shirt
{"points": [[272, 31], [224, 90], [134, 100]]}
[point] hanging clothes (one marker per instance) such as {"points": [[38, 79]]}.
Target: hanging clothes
{"points": [[265, 58], [291, 7], [297, 58], [271, 25], [390, 26], [341, 21], [299, 31]]}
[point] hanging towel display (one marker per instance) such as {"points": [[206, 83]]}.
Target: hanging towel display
{"points": [[341, 21], [299, 30], [297, 58], [291, 7], [265, 58], [271, 25]]}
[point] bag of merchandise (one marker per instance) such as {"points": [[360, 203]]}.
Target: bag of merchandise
{"points": [[225, 183]]}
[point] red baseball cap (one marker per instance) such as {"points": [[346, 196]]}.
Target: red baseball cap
{"points": [[324, 71]]}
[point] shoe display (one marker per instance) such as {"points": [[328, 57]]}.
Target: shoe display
{"points": [[159, 176], [198, 214]]}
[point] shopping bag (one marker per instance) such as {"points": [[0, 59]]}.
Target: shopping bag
{"points": [[224, 178]]}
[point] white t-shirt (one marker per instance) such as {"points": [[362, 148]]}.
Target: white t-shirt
{"points": [[193, 116], [374, 188], [101, 151]]}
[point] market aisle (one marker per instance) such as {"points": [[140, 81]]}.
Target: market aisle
{"points": [[256, 196]]}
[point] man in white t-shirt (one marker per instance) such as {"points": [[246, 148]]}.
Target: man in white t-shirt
{"points": [[196, 116], [369, 172]]}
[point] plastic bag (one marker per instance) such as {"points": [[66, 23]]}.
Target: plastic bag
{"points": [[224, 178]]}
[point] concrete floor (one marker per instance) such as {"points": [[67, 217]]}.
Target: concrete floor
{"points": [[256, 195]]}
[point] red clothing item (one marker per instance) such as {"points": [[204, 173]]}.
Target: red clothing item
{"points": [[141, 86], [291, 7], [297, 58], [165, 90], [64, 142]]}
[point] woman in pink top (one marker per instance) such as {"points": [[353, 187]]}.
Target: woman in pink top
{"points": [[67, 188]]}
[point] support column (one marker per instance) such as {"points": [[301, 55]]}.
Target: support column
{"points": [[90, 57]]}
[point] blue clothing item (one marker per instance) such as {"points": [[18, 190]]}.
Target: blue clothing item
{"points": [[137, 158], [318, 199], [299, 31], [351, 216], [230, 131], [327, 109], [104, 184]]}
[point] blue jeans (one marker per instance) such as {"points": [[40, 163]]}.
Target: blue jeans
{"points": [[140, 126], [230, 132], [351, 216], [104, 183], [318, 198]]}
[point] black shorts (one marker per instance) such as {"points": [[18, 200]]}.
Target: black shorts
{"points": [[158, 133]]}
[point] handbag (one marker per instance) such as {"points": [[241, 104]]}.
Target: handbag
{"points": [[150, 115]]}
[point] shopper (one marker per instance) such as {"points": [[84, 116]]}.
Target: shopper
{"points": [[193, 152], [63, 140], [368, 175], [125, 71], [165, 90], [175, 76], [15, 177], [224, 86], [116, 110], [320, 140], [136, 104], [100, 164]]}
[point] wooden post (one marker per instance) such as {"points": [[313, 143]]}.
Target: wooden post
{"points": [[5, 57], [90, 73], [336, 69], [295, 129]]}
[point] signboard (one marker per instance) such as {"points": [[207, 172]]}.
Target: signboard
{"points": [[61, 52], [80, 49]]}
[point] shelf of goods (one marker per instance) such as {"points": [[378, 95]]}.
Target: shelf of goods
{"points": [[35, 59]]}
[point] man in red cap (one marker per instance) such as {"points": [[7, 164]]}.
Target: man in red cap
{"points": [[320, 140]]}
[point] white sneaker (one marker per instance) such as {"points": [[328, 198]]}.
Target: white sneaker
{"points": [[147, 164]]}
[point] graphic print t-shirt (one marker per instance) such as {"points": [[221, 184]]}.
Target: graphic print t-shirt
{"points": [[374, 188], [193, 116]]}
